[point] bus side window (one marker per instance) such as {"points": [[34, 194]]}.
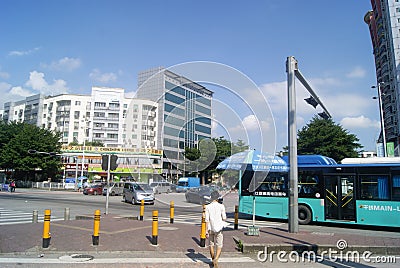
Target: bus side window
{"points": [[396, 188], [308, 185], [374, 187]]}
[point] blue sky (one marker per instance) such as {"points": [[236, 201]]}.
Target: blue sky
{"points": [[70, 46]]}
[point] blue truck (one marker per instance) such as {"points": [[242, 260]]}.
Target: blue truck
{"points": [[185, 183]]}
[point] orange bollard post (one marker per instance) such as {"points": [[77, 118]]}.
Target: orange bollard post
{"points": [[155, 228], [46, 229], [96, 228], [171, 212], [141, 210], [236, 224], [203, 232]]}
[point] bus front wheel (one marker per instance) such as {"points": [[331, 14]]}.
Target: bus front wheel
{"points": [[305, 215]]}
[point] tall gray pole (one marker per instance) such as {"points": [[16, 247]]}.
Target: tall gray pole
{"points": [[76, 173], [291, 67], [382, 119], [108, 181]]}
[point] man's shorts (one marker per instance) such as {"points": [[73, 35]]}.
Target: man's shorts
{"points": [[216, 238]]}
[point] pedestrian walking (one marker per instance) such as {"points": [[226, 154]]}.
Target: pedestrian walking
{"points": [[12, 186], [215, 221]]}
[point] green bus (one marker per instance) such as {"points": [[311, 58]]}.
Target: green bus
{"points": [[356, 191]]}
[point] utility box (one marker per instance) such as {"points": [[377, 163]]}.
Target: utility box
{"points": [[253, 230]]}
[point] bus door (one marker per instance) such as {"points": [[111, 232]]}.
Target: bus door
{"points": [[339, 197]]}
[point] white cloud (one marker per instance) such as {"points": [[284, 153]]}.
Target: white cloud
{"points": [[250, 122], [4, 87], [64, 64], [10, 93], [23, 52], [103, 77], [357, 72], [37, 82], [19, 91], [359, 122]]}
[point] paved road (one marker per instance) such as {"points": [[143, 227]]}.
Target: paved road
{"points": [[177, 247]]}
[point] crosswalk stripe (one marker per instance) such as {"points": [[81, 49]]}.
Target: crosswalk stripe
{"points": [[8, 217]]}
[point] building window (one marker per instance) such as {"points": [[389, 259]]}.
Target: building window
{"points": [[114, 105], [77, 103], [113, 125], [99, 104], [97, 114], [112, 136], [113, 115]]}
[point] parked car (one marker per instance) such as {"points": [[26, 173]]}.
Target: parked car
{"points": [[161, 187], [135, 192], [116, 188], [200, 195], [94, 189]]}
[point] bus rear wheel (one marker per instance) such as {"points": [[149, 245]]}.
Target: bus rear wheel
{"points": [[305, 215]]}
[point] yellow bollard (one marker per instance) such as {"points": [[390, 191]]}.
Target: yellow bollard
{"points": [[155, 228], [203, 232], [46, 229], [141, 209], [236, 225], [171, 212], [96, 228]]}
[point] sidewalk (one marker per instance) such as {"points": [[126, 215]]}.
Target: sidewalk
{"points": [[120, 234]]}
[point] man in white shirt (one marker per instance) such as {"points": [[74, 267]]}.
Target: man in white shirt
{"points": [[215, 222]]}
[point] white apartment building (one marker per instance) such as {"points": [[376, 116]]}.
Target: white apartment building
{"points": [[105, 116]]}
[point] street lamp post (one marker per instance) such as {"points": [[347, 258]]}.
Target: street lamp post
{"points": [[85, 128], [381, 117]]}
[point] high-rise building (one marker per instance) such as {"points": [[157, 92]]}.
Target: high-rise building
{"points": [[184, 109], [384, 26]]}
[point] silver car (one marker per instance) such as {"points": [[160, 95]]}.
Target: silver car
{"points": [[116, 188], [161, 187], [135, 192]]}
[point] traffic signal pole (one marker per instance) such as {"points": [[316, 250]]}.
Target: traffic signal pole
{"points": [[108, 181], [291, 66], [293, 73]]}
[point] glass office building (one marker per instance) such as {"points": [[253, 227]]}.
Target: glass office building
{"points": [[184, 109]]}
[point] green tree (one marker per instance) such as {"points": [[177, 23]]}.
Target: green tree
{"points": [[210, 154], [324, 137], [16, 139]]}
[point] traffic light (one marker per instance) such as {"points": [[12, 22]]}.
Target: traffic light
{"points": [[324, 115], [104, 162], [312, 101], [113, 162]]}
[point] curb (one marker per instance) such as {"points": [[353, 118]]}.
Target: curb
{"points": [[248, 248], [318, 249]]}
